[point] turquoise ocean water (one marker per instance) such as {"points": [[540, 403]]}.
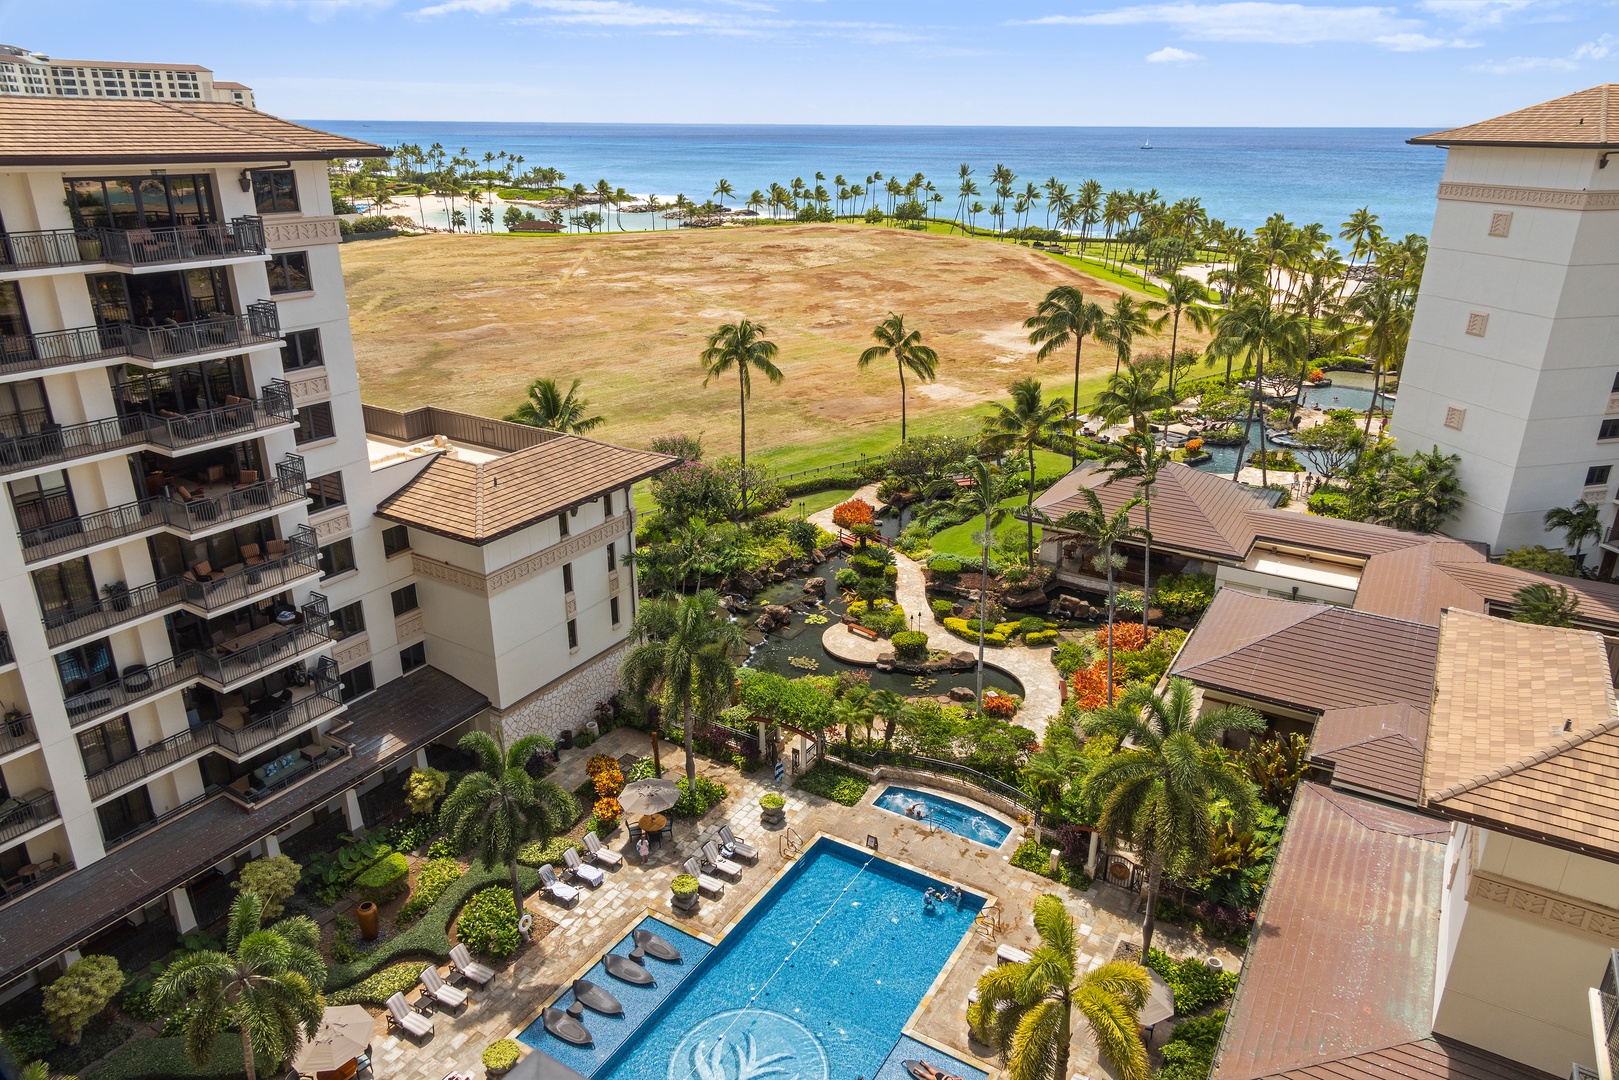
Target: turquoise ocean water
{"points": [[1242, 174]]}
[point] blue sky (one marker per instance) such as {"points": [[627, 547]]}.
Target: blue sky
{"points": [[1416, 64]]}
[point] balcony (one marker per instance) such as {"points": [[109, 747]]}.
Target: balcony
{"points": [[242, 583], [6, 655], [17, 733], [150, 760], [24, 815], [25, 354], [139, 683], [272, 408], [220, 504], [306, 764], [133, 249], [13, 888], [242, 735], [66, 624], [49, 248], [258, 652]]}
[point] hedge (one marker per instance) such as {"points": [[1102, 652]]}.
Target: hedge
{"points": [[1193, 983], [550, 853], [159, 1059], [400, 979], [829, 781], [384, 879], [1040, 637], [431, 881]]}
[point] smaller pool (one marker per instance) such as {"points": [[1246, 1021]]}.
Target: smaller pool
{"points": [[947, 814]]}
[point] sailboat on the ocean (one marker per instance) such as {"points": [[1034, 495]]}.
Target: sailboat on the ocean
{"points": [[1147, 145]]}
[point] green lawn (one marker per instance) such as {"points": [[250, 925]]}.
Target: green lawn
{"points": [[809, 504], [958, 539]]}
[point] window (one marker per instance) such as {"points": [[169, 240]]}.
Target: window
{"points": [[1597, 474], [607, 504], [86, 667], [562, 523], [404, 600], [347, 620], [289, 273], [612, 557], [412, 658], [612, 607], [567, 577], [275, 191], [105, 745], [326, 491], [337, 558], [124, 815], [64, 589], [395, 538], [1609, 430], [1616, 384], [302, 350], [314, 423], [573, 634], [358, 681], [43, 501]]}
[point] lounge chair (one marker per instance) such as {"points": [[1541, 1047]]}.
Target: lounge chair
{"points": [[442, 992], [599, 854], [590, 875], [1006, 954], [746, 852], [413, 1023], [560, 892], [722, 866], [711, 886], [461, 959]]}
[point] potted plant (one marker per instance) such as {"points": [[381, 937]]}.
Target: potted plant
{"points": [[684, 888], [500, 1057], [117, 594], [772, 809]]}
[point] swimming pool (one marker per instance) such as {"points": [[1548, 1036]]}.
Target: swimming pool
{"points": [[816, 982], [947, 814]]}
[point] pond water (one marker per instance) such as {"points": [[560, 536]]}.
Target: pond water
{"points": [[1349, 390]]}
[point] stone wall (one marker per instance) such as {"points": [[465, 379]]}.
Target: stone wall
{"points": [[567, 703]]}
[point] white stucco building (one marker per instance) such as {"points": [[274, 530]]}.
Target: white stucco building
{"points": [[34, 74], [1513, 361]]}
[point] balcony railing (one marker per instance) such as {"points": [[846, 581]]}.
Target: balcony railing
{"points": [[228, 663], [18, 816], [64, 624], [185, 243], [272, 407], [202, 515], [149, 760], [59, 348], [17, 732], [301, 560], [337, 750], [11, 890], [260, 326], [328, 696], [6, 655], [51, 247], [87, 530], [139, 681]]}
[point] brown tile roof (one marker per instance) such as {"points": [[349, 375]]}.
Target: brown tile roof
{"points": [[1341, 961], [478, 503], [1588, 119], [1524, 734], [102, 131], [1434, 1058], [1375, 748], [1308, 656]]}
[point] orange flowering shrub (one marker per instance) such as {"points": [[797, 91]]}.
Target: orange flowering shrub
{"points": [[605, 775], [607, 810], [1316, 374], [999, 706], [1127, 636], [854, 512], [1088, 686], [597, 763], [1193, 445]]}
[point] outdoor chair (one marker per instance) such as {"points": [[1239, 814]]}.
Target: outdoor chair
{"points": [[412, 1023], [723, 866], [560, 892], [461, 959], [599, 854], [442, 992], [732, 846], [709, 885], [590, 875]]}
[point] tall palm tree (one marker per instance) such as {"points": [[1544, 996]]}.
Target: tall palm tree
{"points": [[1126, 319], [1545, 604], [908, 353], [983, 495], [891, 707], [548, 407], [1049, 773], [1029, 421], [1064, 317], [499, 807], [723, 190], [1132, 395], [1104, 530], [1158, 791], [1258, 325], [741, 347], [1138, 457], [1578, 523], [267, 981], [1384, 309], [1025, 1009], [1182, 295], [684, 659]]}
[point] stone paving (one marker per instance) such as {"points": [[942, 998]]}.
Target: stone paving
{"points": [[601, 917]]}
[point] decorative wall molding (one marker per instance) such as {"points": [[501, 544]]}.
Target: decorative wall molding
{"points": [[1547, 198], [572, 604], [1478, 323], [567, 550], [1455, 417], [1545, 906], [411, 624], [612, 583], [326, 529], [352, 650], [1613, 404], [302, 232], [1501, 223], [311, 386]]}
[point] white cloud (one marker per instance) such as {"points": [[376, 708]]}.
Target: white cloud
{"points": [[1265, 22], [1477, 13], [1600, 49], [608, 15], [1171, 55]]}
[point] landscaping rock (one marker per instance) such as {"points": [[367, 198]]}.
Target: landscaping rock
{"points": [[746, 582], [966, 659], [817, 556], [1022, 601], [1073, 607], [962, 693], [815, 586]]}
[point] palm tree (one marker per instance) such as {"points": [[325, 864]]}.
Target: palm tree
{"points": [[1132, 395], [1578, 523], [684, 658], [724, 189], [891, 707], [547, 407], [1104, 530], [742, 347], [1049, 772], [853, 710], [1064, 316], [1385, 308], [1126, 319], [984, 494], [266, 981], [1158, 791], [1545, 604], [1256, 324], [908, 353], [499, 807], [1025, 1009], [1181, 295], [1138, 457], [1029, 421]]}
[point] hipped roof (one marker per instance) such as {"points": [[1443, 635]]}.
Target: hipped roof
{"points": [[1587, 120]]}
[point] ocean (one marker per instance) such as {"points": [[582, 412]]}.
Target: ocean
{"points": [[1243, 175]]}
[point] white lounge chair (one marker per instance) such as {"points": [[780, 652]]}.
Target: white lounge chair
{"points": [[723, 866], [413, 1023], [461, 959], [599, 854], [561, 892], [590, 875], [442, 992], [745, 852], [1006, 954], [709, 885]]}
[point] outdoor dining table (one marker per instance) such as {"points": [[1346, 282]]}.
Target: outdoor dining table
{"points": [[652, 824]]}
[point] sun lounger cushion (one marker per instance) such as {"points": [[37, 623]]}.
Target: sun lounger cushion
{"points": [[590, 875], [1006, 954], [709, 885], [467, 966], [444, 994], [558, 890], [745, 852], [593, 846], [724, 866], [412, 1022]]}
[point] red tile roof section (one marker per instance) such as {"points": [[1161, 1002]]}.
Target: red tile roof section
{"points": [[1376, 748]]}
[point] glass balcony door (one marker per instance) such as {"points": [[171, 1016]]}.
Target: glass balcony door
{"points": [[141, 202], [163, 299]]}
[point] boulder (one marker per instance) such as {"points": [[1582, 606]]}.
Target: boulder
{"points": [[748, 583], [961, 693], [1023, 601], [817, 556], [815, 586], [764, 623], [963, 659], [1073, 607]]}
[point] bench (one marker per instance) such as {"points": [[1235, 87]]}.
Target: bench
{"points": [[865, 632]]}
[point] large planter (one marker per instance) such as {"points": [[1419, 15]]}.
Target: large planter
{"points": [[366, 916]]}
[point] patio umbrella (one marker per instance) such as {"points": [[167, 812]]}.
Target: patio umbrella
{"points": [[345, 1032], [648, 797]]}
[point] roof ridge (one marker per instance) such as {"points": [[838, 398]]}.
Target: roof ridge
{"points": [[1544, 754]]}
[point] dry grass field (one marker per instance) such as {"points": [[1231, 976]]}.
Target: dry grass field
{"points": [[465, 322]]}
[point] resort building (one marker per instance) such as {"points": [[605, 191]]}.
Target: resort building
{"points": [[230, 592], [1511, 361], [33, 74]]}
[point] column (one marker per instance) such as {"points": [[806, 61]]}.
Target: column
{"points": [[185, 920], [421, 757], [351, 810], [272, 846], [1096, 849]]}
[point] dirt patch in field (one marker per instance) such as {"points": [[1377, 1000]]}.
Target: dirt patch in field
{"points": [[466, 322]]}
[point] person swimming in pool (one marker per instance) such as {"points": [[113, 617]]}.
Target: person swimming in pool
{"points": [[918, 811]]}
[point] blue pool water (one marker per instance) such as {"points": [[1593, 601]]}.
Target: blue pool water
{"points": [[815, 983], [959, 818]]}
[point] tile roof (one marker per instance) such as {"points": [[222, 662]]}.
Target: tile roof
{"points": [[480, 502], [113, 131], [1588, 119], [1376, 748]]}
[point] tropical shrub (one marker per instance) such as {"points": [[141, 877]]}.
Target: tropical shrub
{"points": [[1183, 596], [605, 776], [488, 924], [910, 646], [1069, 657], [608, 809], [945, 565], [376, 990], [1035, 857], [538, 853], [1324, 502], [501, 1055], [431, 881], [424, 788], [772, 801], [165, 1059], [1189, 1052], [1277, 460], [1539, 558], [274, 879], [1000, 706], [1194, 446], [683, 885], [1126, 636], [854, 512], [886, 623], [1042, 637], [710, 793], [846, 578], [868, 566], [384, 879], [78, 997], [829, 781], [943, 609], [1195, 985]]}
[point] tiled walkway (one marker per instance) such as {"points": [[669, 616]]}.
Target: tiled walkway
{"points": [[602, 917]]}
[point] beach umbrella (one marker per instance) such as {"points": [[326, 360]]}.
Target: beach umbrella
{"points": [[648, 797], [345, 1032]]}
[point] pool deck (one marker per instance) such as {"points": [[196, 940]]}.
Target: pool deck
{"points": [[570, 939]]}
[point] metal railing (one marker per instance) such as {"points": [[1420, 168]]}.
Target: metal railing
{"points": [[29, 814], [59, 348], [261, 325], [17, 732], [12, 890], [301, 560], [225, 667], [49, 247], [272, 407], [327, 697], [74, 621], [86, 530], [54, 443], [338, 750], [149, 760], [185, 243], [138, 681]]}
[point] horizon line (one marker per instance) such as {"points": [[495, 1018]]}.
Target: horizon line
{"points": [[881, 127]]}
